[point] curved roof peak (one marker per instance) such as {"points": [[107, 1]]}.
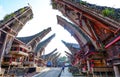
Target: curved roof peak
{"points": [[27, 39], [74, 45], [44, 43], [73, 29]]}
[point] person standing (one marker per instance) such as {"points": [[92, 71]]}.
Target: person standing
{"points": [[63, 67]]}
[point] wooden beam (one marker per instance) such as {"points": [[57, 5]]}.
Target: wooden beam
{"points": [[113, 42]]}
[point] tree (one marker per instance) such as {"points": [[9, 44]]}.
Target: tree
{"points": [[108, 12], [63, 59]]}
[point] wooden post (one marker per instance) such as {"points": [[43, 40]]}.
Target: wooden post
{"points": [[116, 70]]}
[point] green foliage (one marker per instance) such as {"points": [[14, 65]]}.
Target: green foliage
{"points": [[22, 10], [63, 59], [108, 12], [9, 16], [83, 2], [54, 5]]}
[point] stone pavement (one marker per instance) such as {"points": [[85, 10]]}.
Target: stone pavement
{"points": [[66, 73], [52, 72]]}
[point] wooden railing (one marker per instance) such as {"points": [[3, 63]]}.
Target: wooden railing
{"points": [[102, 69]]}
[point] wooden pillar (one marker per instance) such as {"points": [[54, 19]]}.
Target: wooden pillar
{"points": [[116, 70], [88, 65]]}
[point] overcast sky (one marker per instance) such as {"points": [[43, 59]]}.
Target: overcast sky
{"points": [[44, 17]]}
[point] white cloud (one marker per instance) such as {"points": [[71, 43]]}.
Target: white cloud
{"points": [[2, 12], [110, 3]]}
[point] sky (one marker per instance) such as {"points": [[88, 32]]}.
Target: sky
{"points": [[44, 17]]}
